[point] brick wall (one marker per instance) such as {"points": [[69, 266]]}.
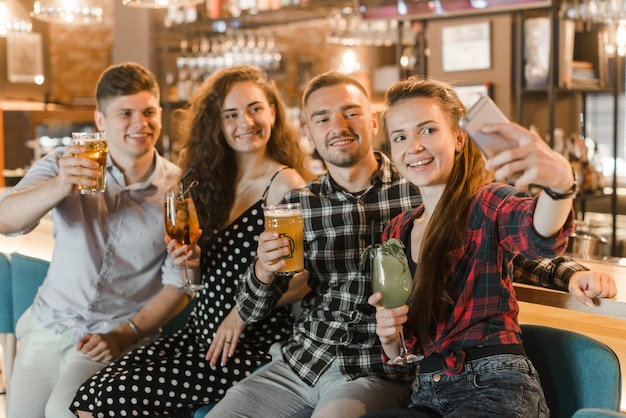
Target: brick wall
{"points": [[78, 54]]}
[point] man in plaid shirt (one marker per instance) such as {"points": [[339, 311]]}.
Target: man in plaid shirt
{"points": [[333, 360]]}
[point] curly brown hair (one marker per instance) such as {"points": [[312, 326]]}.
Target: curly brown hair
{"points": [[204, 147], [447, 227]]}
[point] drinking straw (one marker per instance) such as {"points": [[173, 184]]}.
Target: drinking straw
{"points": [[182, 180], [372, 233]]}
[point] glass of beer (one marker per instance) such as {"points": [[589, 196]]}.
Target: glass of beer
{"points": [[286, 219], [97, 150]]}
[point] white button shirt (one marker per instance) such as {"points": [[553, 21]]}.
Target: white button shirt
{"points": [[109, 257]]}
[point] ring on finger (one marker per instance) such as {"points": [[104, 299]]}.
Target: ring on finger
{"points": [[228, 342]]}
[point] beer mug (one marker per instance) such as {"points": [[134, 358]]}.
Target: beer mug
{"points": [[286, 219], [96, 150]]}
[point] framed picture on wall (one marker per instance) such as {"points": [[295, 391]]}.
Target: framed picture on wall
{"points": [[466, 47], [25, 58], [305, 70], [470, 93], [278, 68]]}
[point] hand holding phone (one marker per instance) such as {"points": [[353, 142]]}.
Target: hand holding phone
{"points": [[483, 112]]}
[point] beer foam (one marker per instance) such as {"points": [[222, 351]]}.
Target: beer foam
{"points": [[282, 213]]}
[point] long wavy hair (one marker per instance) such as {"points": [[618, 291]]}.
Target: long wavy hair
{"points": [[204, 147], [447, 227]]}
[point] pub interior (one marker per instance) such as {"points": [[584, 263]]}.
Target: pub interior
{"points": [[556, 66]]}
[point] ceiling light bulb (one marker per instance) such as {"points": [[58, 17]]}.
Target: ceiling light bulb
{"points": [[69, 12], [478, 4], [13, 18], [159, 4]]}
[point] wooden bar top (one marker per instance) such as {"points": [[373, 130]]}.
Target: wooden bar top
{"points": [[613, 307]]}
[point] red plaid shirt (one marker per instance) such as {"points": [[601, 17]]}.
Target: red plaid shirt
{"points": [[500, 224]]}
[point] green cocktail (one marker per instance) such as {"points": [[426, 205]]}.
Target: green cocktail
{"points": [[391, 277]]}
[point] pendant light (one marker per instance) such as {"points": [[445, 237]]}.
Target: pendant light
{"points": [[13, 18], [159, 4], [69, 12], [478, 4]]}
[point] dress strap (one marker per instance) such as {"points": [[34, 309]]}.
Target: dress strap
{"points": [[269, 183]]}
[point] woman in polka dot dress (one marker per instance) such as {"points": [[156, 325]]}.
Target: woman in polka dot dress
{"points": [[235, 134]]}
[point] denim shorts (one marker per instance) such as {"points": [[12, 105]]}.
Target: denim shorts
{"points": [[503, 385]]}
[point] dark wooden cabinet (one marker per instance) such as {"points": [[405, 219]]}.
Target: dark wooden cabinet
{"points": [[27, 134], [557, 106]]}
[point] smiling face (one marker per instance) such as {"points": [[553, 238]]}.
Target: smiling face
{"points": [[422, 141], [247, 117], [340, 124], [132, 124]]}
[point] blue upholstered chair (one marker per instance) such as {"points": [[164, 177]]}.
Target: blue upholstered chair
{"points": [[6, 298], [6, 315], [201, 412], [179, 321], [20, 277], [28, 274], [576, 371], [597, 413]]}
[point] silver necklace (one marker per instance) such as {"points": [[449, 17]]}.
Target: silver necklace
{"points": [[253, 181], [246, 189]]}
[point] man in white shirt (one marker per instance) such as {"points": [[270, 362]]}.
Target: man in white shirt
{"points": [[110, 281]]}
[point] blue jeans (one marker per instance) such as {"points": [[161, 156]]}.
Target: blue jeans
{"points": [[503, 385]]}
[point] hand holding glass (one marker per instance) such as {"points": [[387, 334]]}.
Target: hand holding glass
{"points": [[96, 149], [181, 224], [286, 219], [392, 278]]}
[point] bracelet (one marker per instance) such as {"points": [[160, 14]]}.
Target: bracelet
{"points": [[571, 193], [132, 326]]}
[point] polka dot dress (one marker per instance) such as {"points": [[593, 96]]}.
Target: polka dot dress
{"points": [[170, 376]]}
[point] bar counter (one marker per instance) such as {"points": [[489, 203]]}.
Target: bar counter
{"points": [[614, 307]]}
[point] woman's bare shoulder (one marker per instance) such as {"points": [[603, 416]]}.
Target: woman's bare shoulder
{"points": [[285, 181]]}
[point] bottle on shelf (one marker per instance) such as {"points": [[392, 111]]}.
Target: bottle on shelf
{"points": [[588, 177], [572, 153], [598, 168], [558, 139]]}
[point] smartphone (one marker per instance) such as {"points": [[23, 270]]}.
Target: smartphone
{"points": [[483, 112]]}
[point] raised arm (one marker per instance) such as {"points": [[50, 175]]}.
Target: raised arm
{"points": [[52, 180], [534, 162]]}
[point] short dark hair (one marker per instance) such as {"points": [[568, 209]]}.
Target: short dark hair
{"points": [[123, 80], [329, 79]]}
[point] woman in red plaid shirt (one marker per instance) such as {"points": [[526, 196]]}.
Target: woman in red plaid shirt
{"points": [[460, 243]]}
